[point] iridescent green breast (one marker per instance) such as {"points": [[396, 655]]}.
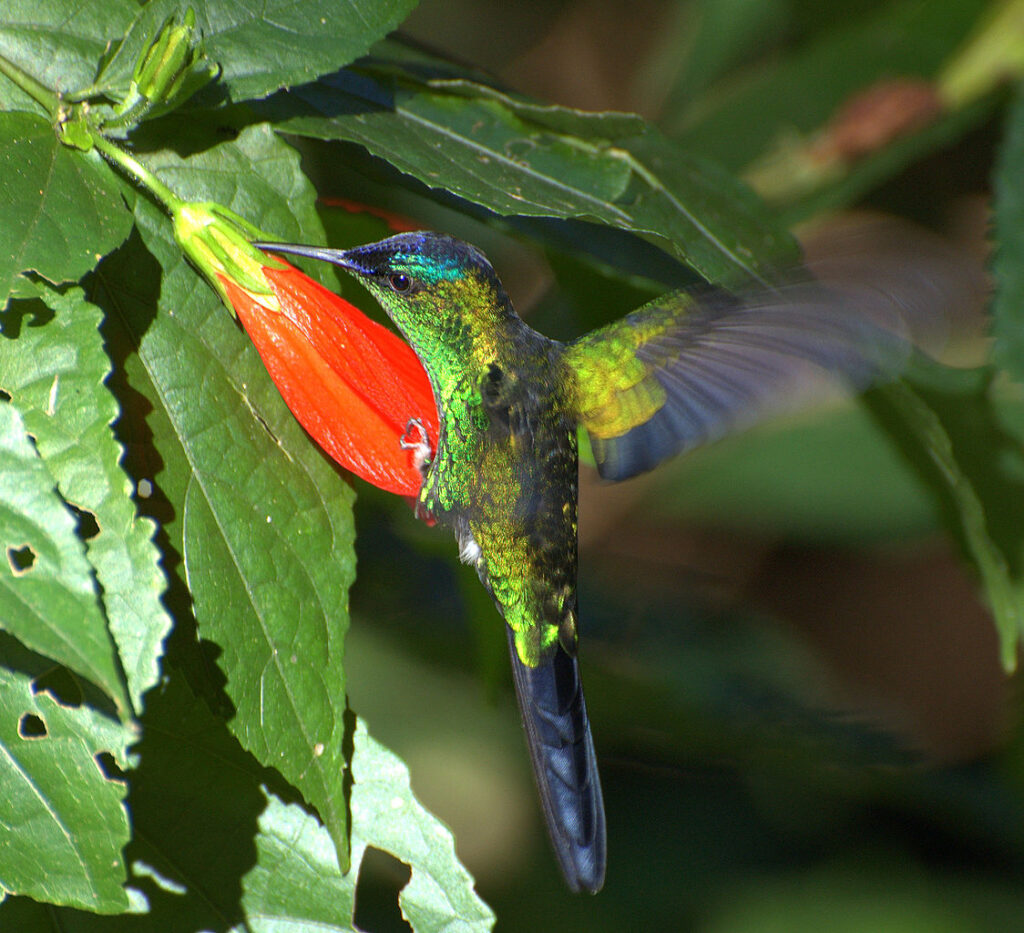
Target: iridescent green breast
{"points": [[505, 479]]}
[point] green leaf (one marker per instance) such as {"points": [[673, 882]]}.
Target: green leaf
{"points": [[1008, 306], [517, 158], [62, 819], [55, 371], [48, 597], [273, 866], [296, 879], [261, 518], [385, 814], [296, 882], [196, 800], [59, 43], [396, 60], [263, 45], [60, 209], [196, 805], [945, 424]]}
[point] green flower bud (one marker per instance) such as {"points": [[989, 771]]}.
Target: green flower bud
{"points": [[218, 242], [169, 70], [161, 68]]}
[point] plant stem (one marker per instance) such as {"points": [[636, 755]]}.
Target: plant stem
{"points": [[138, 172], [114, 153], [41, 94], [994, 54]]}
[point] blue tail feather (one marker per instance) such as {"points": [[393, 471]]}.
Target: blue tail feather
{"points": [[564, 764]]}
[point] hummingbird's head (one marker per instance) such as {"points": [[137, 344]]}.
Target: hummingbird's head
{"points": [[412, 263], [432, 286]]}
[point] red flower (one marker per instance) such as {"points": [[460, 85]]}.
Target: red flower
{"points": [[351, 383], [395, 222]]}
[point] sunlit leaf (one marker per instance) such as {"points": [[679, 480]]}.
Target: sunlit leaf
{"points": [[48, 597], [261, 46], [385, 814], [216, 848], [60, 210], [55, 370], [59, 43], [62, 817], [261, 518]]}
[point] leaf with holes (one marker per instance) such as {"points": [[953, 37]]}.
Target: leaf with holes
{"points": [[274, 866], [55, 372], [296, 881], [62, 817], [48, 597], [261, 517]]}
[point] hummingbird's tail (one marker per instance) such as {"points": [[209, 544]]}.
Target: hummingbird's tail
{"points": [[564, 764]]}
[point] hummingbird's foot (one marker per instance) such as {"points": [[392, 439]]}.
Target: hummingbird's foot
{"points": [[419, 445]]}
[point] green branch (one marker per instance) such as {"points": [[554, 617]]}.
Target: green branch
{"points": [[41, 94], [138, 173]]}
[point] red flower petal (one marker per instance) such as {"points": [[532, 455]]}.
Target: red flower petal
{"points": [[351, 383], [395, 222]]}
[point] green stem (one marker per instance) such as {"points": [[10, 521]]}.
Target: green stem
{"points": [[127, 163], [994, 54], [41, 94], [136, 170]]}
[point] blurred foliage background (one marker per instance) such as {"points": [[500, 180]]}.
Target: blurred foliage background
{"points": [[796, 690]]}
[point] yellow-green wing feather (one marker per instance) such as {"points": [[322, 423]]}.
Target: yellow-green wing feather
{"points": [[693, 365]]}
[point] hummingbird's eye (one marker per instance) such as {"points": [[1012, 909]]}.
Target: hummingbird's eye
{"points": [[399, 281]]}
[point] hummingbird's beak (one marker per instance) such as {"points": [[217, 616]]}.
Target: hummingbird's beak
{"points": [[338, 257]]}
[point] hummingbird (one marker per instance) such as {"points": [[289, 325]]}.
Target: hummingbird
{"points": [[678, 372]]}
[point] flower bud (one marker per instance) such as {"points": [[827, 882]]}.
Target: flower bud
{"points": [[169, 70], [354, 385]]}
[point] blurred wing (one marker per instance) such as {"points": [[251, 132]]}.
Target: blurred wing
{"points": [[692, 366]]}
